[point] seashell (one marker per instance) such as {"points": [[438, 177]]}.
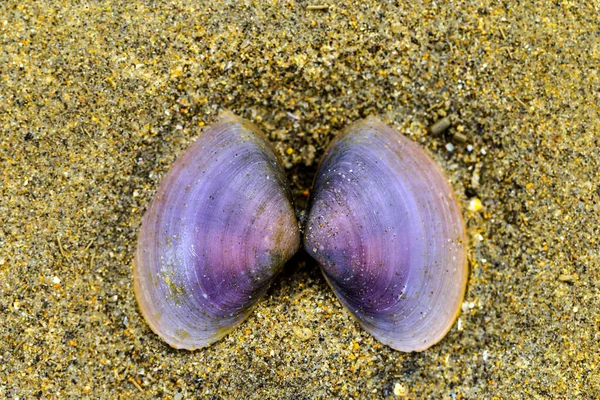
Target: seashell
{"points": [[219, 229], [387, 231]]}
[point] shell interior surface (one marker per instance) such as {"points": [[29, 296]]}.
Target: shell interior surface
{"points": [[387, 231], [218, 231]]}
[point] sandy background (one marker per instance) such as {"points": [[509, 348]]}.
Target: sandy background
{"points": [[97, 98]]}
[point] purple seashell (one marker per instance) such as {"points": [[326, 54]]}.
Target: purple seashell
{"points": [[388, 233], [218, 231]]}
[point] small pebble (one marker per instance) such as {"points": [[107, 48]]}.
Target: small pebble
{"points": [[567, 277], [475, 204], [400, 390], [303, 334], [475, 178], [440, 126], [459, 137]]}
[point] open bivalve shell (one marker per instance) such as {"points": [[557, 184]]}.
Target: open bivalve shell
{"points": [[387, 231], [219, 229]]}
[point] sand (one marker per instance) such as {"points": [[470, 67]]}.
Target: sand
{"points": [[97, 98]]}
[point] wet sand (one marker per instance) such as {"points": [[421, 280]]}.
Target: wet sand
{"points": [[98, 98]]}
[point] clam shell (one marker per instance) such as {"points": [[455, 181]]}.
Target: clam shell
{"points": [[387, 231], [219, 229]]}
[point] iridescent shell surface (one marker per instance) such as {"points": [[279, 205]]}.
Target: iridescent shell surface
{"points": [[387, 231], [219, 229]]}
